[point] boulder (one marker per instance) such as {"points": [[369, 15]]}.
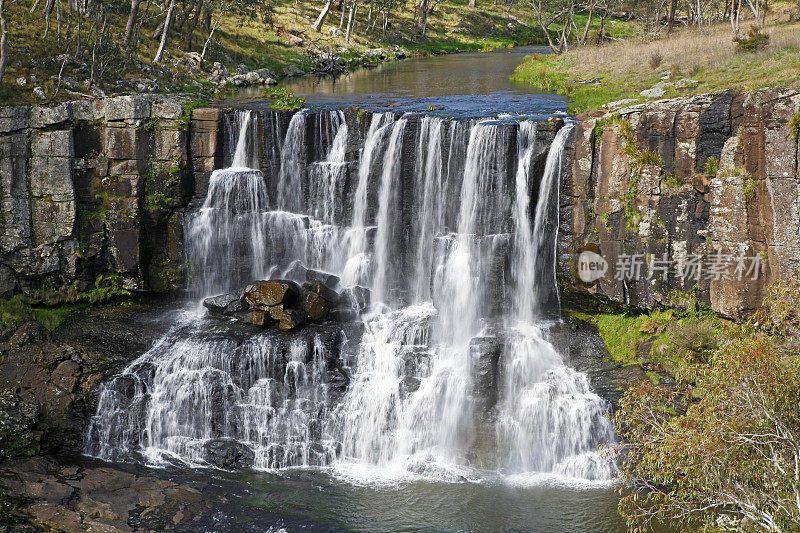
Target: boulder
{"points": [[256, 317], [219, 304], [296, 271], [236, 306], [265, 294], [355, 298], [315, 305], [292, 70], [276, 312], [291, 319], [323, 290], [228, 453], [331, 280]]}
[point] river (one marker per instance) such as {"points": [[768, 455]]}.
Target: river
{"points": [[474, 84]]}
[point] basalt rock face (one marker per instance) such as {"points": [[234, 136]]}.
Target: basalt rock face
{"points": [[96, 187], [619, 203]]}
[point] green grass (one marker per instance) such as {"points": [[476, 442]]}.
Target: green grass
{"points": [[596, 75], [241, 39], [548, 73], [680, 338]]}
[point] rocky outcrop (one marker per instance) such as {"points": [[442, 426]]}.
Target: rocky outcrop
{"points": [[287, 304], [683, 199], [96, 187]]}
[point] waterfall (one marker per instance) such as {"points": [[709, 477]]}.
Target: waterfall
{"points": [[449, 375], [357, 269], [428, 174], [387, 205], [327, 177], [290, 180], [227, 235], [549, 419]]}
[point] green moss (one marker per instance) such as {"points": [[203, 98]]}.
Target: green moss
{"points": [[794, 126], [680, 338], [674, 181], [52, 308], [750, 187], [188, 107]]}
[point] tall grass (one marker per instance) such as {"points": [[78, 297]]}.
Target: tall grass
{"points": [[594, 75]]}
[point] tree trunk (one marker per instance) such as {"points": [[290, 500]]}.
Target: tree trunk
{"points": [[321, 19], [181, 20], [192, 25], [422, 19], [671, 24], [222, 9], [165, 32], [131, 21], [471, 3], [3, 40], [588, 23], [351, 19]]}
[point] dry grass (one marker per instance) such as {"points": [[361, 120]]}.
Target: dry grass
{"points": [[596, 75]]}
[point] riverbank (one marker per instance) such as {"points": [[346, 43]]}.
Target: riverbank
{"points": [[283, 46], [686, 63]]}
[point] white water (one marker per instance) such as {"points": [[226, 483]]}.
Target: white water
{"points": [[471, 274]]}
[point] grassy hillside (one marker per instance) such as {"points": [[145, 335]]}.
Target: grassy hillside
{"points": [[696, 62], [241, 39]]}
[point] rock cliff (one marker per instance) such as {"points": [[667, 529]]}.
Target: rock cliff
{"points": [[694, 199], [98, 187]]}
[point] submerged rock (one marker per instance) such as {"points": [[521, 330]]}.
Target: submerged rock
{"points": [[228, 453], [355, 298]]}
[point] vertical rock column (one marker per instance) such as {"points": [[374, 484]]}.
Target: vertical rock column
{"points": [[125, 120]]}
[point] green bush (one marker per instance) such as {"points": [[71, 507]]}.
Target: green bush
{"points": [[753, 42]]}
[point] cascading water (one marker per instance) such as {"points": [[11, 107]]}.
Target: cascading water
{"points": [[443, 234]]}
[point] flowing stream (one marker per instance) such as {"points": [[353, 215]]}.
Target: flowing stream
{"points": [[451, 377]]}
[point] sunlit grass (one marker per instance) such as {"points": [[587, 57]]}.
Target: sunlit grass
{"points": [[593, 76]]}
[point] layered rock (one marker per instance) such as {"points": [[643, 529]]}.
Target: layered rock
{"points": [[724, 186], [96, 187]]}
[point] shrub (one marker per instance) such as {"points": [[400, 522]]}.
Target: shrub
{"points": [[735, 449], [753, 42], [711, 167], [655, 60], [284, 99]]}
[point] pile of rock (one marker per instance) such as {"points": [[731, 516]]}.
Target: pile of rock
{"points": [[262, 76], [288, 304]]}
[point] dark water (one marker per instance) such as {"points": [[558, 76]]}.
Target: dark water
{"points": [[491, 505], [471, 84]]}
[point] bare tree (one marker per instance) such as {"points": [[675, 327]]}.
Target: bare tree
{"points": [[322, 15], [131, 21], [165, 31], [3, 38]]}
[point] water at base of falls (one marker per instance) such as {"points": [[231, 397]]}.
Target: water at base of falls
{"points": [[449, 375]]}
